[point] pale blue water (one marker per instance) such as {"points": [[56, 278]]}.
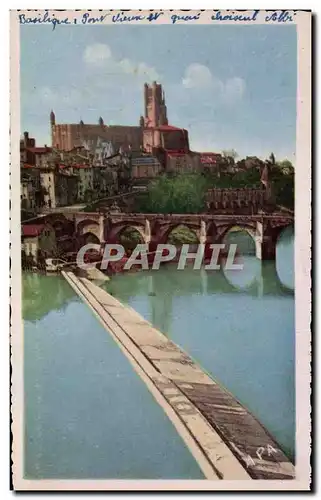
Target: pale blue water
{"points": [[239, 325], [88, 414]]}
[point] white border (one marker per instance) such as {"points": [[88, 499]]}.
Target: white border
{"points": [[302, 253]]}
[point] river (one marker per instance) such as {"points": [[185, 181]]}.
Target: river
{"points": [[87, 413]]}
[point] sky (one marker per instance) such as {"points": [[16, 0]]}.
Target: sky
{"points": [[232, 87]]}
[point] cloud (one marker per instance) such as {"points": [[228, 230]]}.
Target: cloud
{"points": [[199, 77], [97, 54], [100, 56]]}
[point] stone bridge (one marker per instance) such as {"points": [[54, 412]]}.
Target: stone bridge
{"points": [[155, 228]]}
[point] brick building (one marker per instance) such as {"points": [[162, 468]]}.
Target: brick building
{"points": [[69, 136], [38, 237], [157, 131], [153, 130]]}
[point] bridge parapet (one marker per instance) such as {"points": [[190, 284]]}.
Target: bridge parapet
{"points": [[155, 228]]}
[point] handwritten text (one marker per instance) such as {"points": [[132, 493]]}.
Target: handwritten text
{"points": [[121, 17], [43, 19], [234, 17], [176, 18], [280, 17]]}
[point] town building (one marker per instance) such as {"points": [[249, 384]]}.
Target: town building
{"points": [[85, 182], [153, 130], [38, 239], [27, 156], [157, 131], [30, 188], [86, 162], [145, 167], [69, 136], [209, 162]]}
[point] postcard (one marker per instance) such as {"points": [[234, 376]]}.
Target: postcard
{"points": [[160, 250]]}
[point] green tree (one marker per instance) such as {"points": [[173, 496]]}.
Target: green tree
{"points": [[182, 235], [230, 153], [247, 178], [282, 180], [130, 238], [180, 194]]}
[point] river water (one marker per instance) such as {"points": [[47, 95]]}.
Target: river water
{"points": [[88, 414]]}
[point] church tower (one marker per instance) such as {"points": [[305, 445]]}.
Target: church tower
{"points": [[155, 107]]}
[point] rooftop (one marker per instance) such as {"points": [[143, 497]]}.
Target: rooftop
{"points": [[39, 150], [32, 229]]}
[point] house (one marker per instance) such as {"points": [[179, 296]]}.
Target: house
{"points": [[60, 187], [38, 239], [85, 184]]}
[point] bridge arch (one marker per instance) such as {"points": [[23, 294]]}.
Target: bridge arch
{"points": [[129, 237], [282, 230], [163, 236], [236, 228], [88, 226], [245, 246], [182, 233], [118, 230], [89, 237]]}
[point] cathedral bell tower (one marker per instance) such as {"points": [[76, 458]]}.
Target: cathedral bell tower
{"points": [[155, 107]]}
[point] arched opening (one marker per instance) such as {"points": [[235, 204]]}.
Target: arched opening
{"points": [[244, 276], [129, 238], [181, 234], [285, 257], [90, 238], [243, 237], [82, 227]]}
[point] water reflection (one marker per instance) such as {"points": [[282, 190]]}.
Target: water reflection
{"points": [[42, 294], [239, 325], [256, 278], [87, 414], [285, 257]]}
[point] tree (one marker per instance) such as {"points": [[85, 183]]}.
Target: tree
{"points": [[282, 180], [230, 153], [180, 194], [247, 178], [286, 167]]}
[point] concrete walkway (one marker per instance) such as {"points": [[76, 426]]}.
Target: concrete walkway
{"points": [[225, 439]]}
